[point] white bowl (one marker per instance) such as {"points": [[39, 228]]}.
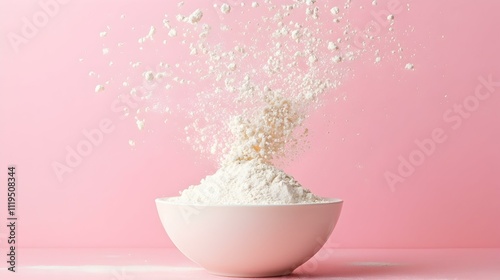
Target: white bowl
{"points": [[249, 240]]}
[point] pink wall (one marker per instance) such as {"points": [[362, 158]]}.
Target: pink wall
{"points": [[452, 199]]}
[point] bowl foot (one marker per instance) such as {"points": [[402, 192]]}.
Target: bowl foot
{"points": [[252, 275]]}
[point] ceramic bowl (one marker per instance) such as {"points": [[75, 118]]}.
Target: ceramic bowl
{"points": [[249, 240]]}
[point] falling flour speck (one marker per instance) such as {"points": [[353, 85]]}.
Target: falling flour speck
{"points": [[140, 124], [225, 8], [335, 10], [99, 88], [195, 16]]}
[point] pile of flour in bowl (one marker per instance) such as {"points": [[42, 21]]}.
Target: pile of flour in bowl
{"points": [[248, 182], [247, 175]]}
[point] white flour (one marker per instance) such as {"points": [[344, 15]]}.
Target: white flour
{"points": [[247, 175], [225, 8], [247, 183], [261, 89], [267, 134]]}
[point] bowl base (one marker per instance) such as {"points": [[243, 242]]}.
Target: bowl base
{"points": [[252, 275]]}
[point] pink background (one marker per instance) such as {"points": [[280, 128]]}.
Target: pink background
{"points": [[451, 200]]}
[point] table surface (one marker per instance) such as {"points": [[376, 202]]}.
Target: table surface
{"points": [[329, 263]]}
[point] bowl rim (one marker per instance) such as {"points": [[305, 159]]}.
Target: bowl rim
{"points": [[327, 201]]}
